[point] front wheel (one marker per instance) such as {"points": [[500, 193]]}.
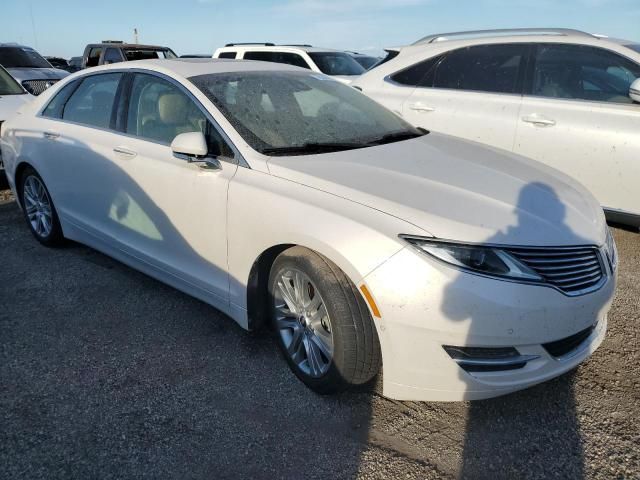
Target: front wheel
{"points": [[39, 210], [323, 325]]}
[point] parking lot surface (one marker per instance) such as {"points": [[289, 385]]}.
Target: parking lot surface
{"points": [[106, 373]]}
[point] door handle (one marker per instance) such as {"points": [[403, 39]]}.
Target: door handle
{"points": [[420, 107], [124, 152], [539, 120], [51, 135]]}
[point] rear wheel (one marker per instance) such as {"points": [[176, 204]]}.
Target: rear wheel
{"points": [[323, 326], [38, 209]]}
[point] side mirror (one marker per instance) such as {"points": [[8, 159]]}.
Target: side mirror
{"points": [[192, 147], [634, 90], [190, 144]]}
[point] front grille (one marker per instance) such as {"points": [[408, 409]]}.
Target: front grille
{"points": [[36, 87], [565, 345], [574, 270]]}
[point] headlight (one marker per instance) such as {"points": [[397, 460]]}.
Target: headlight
{"points": [[612, 251], [490, 261]]}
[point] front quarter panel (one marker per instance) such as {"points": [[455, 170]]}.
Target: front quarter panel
{"points": [[266, 211]]}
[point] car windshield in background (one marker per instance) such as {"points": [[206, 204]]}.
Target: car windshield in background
{"points": [[8, 86], [147, 54], [22, 57], [336, 63], [635, 47], [287, 113], [366, 62]]}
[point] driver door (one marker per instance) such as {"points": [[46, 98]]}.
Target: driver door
{"points": [[168, 212]]}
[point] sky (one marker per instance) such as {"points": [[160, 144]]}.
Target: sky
{"points": [[64, 27]]}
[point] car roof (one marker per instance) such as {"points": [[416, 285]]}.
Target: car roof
{"points": [[127, 45], [190, 67], [271, 48], [516, 35]]}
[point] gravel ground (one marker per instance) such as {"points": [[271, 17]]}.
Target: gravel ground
{"points": [[106, 373]]}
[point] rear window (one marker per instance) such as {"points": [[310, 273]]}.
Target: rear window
{"points": [[147, 54], [92, 102], [227, 55], [22, 57]]}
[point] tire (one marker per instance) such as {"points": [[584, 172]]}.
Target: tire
{"points": [[38, 209], [329, 349]]}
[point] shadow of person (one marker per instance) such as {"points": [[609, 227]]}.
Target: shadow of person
{"points": [[505, 436]]}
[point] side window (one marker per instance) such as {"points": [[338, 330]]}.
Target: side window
{"points": [[112, 55], [92, 102], [55, 106], [93, 59], [418, 75], [482, 68], [159, 111], [277, 57], [582, 72], [227, 55]]}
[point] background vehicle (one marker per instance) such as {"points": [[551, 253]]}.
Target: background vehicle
{"points": [[58, 62], [195, 55], [562, 97], [330, 62], [75, 64], [367, 61], [12, 97], [29, 68], [114, 51], [431, 252]]}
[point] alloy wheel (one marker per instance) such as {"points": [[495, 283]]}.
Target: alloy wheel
{"points": [[37, 205], [303, 323]]}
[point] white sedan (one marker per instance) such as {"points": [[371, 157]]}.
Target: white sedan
{"points": [[281, 196]]}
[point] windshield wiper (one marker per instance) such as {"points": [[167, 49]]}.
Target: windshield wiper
{"points": [[398, 136], [312, 147]]}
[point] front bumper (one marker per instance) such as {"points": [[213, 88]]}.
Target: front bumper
{"points": [[425, 305]]}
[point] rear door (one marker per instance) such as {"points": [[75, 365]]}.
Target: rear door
{"points": [[577, 117], [473, 92]]}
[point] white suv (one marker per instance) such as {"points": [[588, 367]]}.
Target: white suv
{"points": [[323, 60], [563, 97]]}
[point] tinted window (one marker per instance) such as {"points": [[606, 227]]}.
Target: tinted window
{"points": [[8, 86], [159, 111], [277, 57], [366, 62], [112, 55], [483, 68], [22, 57], [336, 63], [583, 73], [420, 74], [93, 59], [55, 106], [227, 55], [92, 103], [147, 54]]}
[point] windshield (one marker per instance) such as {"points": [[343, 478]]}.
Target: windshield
{"points": [[21, 57], [366, 62], [336, 63], [287, 113], [634, 47], [148, 53], [8, 86]]}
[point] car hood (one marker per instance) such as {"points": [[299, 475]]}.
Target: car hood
{"points": [[22, 74], [10, 103], [457, 190]]}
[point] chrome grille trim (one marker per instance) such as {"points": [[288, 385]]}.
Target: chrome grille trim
{"points": [[572, 270], [36, 87]]}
